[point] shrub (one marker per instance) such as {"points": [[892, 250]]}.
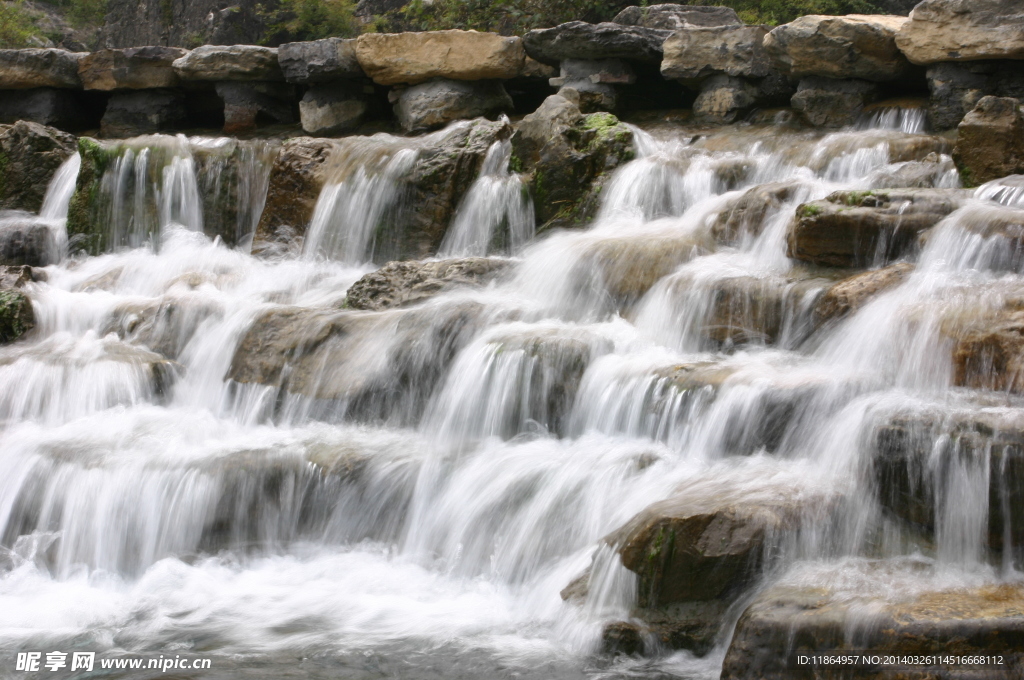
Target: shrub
{"points": [[17, 25], [310, 20], [84, 13]]}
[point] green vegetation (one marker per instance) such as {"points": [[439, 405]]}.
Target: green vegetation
{"points": [[17, 25], [809, 210], [84, 13], [775, 12], [295, 20]]}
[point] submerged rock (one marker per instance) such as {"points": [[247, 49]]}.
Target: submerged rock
{"points": [[24, 240], [398, 284], [579, 40], [990, 141], [959, 30], [16, 314], [411, 58], [745, 216], [30, 155], [34, 68], [854, 292], [135, 68]]}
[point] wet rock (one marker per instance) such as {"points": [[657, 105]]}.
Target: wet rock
{"points": [[858, 229], [675, 17], [723, 99], [798, 619], [955, 30], [130, 114], [826, 102], [594, 82], [436, 103], [24, 240], [853, 46], [164, 325], [230, 186], [229, 63], [35, 68], [16, 315], [622, 637], [852, 293], [747, 309], [934, 171], [398, 284], [990, 141], [296, 179], [30, 154], [744, 217], [46, 106], [697, 53], [579, 40], [246, 105], [411, 58], [565, 155], [989, 353], [333, 108], [319, 61], [135, 68]]}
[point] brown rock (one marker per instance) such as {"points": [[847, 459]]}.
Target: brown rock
{"points": [[745, 216], [30, 155], [411, 58], [134, 68], [398, 284], [990, 141], [294, 187], [851, 294], [694, 53], [963, 30]]}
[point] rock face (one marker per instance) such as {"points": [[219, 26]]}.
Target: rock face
{"points": [[32, 68], [134, 68], [723, 99], [564, 155], [16, 315], [236, 62], [676, 17], [45, 105], [963, 30], [398, 284], [438, 102], [852, 293], [30, 154], [142, 112], [26, 241], [296, 179], [319, 61], [411, 58], [330, 109], [579, 40], [246, 103], [826, 102], [990, 141], [182, 24], [858, 229], [697, 53], [956, 88], [853, 46]]}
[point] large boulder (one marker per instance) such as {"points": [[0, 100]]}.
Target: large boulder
{"points": [[319, 61], [296, 178], [862, 228], [229, 63], [963, 30], [399, 284], [956, 88], [676, 17], [852, 46], [565, 155], [30, 154], [827, 102], [990, 141], [436, 103], [850, 294], [579, 40], [134, 68], [333, 108], [696, 53], [16, 315], [143, 112], [33, 68], [411, 58]]}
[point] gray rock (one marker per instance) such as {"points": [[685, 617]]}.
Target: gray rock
{"points": [[956, 88], [46, 106], [674, 17], [722, 99], [333, 108], [697, 53], [16, 314], [399, 284], [854, 292], [827, 102], [963, 30], [245, 103], [229, 63], [134, 68], [579, 40], [187, 23], [438, 102], [142, 112], [24, 240], [35, 68], [594, 81], [319, 61], [30, 154], [296, 179]]}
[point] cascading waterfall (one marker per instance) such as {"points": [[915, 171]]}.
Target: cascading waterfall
{"points": [[411, 492]]}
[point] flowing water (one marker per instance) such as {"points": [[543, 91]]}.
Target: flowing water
{"points": [[415, 500]]}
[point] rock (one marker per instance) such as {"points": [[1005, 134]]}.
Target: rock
{"points": [[934, 171], [333, 108], [533, 69], [246, 103], [229, 63], [24, 240], [956, 88], [164, 325], [790, 619], [319, 61], [135, 68], [744, 218], [16, 314], [723, 99], [399, 284], [183, 24], [963, 30], [231, 183], [676, 17], [594, 82], [412, 58], [579, 40], [852, 293], [438, 102], [296, 179], [1006, 191], [826, 102], [46, 106], [35, 68], [990, 141], [30, 155], [847, 228], [143, 112], [622, 637], [565, 155], [853, 46], [697, 53]]}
